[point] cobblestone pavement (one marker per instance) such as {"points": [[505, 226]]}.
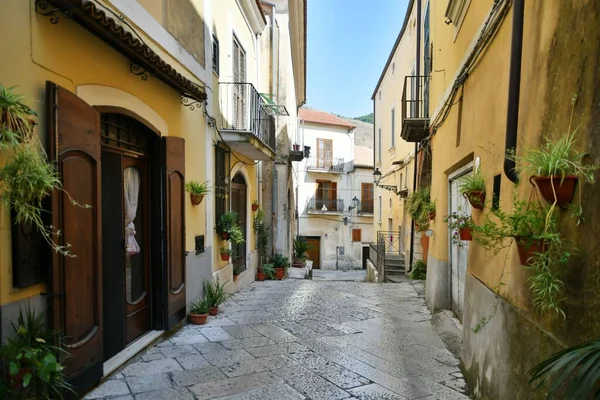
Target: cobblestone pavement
{"points": [[300, 339]]}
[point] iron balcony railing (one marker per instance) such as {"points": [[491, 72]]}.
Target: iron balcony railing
{"points": [[316, 163], [243, 110], [325, 205], [415, 97], [365, 207]]}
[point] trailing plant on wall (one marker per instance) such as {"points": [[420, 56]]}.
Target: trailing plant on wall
{"points": [[262, 231], [420, 207], [27, 176]]}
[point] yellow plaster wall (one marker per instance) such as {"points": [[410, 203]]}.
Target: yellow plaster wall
{"points": [[482, 128], [69, 55]]}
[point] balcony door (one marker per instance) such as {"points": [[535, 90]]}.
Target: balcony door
{"points": [[324, 153], [326, 199], [240, 103], [239, 205]]}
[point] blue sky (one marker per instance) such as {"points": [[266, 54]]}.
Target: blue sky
{"points": [[348, 44]]}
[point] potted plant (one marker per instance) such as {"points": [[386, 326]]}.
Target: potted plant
{"points": [[32, 359], [556, 168], [215, 295], [236, 272], [226, 222], [281, 263], [225, 253], [296, 147], [266, 271], [199, 312], [462, 226], [197, 191], [420, 207], [473, 188], [255, 205], [301, 246]]}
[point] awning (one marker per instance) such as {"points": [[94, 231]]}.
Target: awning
{"points": [[110, 30]]}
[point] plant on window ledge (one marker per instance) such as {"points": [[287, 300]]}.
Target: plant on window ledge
{"points": [[473, 188], [27, 176], [197, 191]]}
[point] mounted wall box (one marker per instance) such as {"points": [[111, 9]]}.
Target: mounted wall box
{"points": [[199, 240]]}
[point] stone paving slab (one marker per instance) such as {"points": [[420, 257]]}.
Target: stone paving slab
{"points": [[299, 339]]}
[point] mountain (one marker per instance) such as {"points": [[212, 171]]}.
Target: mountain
{"points": [[366, 118]]}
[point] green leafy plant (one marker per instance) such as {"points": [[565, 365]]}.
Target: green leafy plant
{"points": [[473, 188], [419, 207], [237, 270], [236, 234], [262, 231], [457, 221], [268, 270], [555, 158], [198, 188], [419, 270], [27, 177], [225, 250], [199, 307], [32, 355], [215, 293], [279, 261], [301, 246], [545, 284], [572, 373], [227, 220]]}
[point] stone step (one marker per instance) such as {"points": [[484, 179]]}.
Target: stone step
{"points": [[395, 278]]}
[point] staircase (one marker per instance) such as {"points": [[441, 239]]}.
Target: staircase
{"points": [[394, 265]]}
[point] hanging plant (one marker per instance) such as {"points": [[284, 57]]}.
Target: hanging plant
{"points": [[421, 208], [556, 168], [473, 188], [255, 205], [197, 191], [27, 177], [462, 227]]}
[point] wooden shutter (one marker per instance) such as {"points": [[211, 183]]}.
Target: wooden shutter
{"points": [[174, 161], [333, 196], [324, 153], [367, 197], [356, 235], [74, 141]]}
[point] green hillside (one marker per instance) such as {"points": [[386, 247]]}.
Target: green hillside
{"points": [[366, 118]]}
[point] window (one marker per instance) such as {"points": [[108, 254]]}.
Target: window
{"points": [[393, 127], [324, 153], [456, 11], [356, 235], [215, 55], [366, 198], [379, 204], [326, 198], [221, 186], [380, 145]]}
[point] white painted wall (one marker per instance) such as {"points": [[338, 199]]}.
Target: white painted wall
{"points": [[330, 226]]}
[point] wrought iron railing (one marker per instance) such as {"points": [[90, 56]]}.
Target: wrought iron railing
{"points": [[365, 207], [415, 97], [325, 205], [327, 165], [242, 109], [388, 243]]}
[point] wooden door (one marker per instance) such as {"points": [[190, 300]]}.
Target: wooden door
{"points": [[314, 253], [136, 219], [458, 251], [76, 298], [174, 193], [239, 205]]}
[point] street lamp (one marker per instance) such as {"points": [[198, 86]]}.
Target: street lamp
{"points": [[377, 176], [355, 202]]}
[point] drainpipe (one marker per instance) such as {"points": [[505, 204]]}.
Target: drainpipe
{"points": [[514, 88], [418, 73]]}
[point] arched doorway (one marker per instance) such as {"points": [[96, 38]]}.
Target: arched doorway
{"points": [[126, 229], [239, 205]]}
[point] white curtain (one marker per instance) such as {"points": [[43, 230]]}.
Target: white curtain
{"points": [[131, 183]]}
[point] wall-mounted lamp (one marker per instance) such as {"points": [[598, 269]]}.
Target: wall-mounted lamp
{"points": [[377, 179], [355, 202]]}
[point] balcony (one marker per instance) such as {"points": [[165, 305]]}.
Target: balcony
{"points": [[365, 207], [246, 124], [415, 108], [331, 166], [325, 206]]}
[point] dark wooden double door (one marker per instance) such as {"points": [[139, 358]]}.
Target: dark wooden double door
{"points": [[110, 291]]}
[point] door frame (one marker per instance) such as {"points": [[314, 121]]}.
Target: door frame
{"points": [[456, 175]]}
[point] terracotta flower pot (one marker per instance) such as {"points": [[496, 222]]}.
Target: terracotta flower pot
{"points": [[279, 273], [198, 319], [235, 277], [254, 207], [476, 199], [298, 264], [565, 190], [260, 276], [527, 247], [465, 234], [224, 256], [432, 215], [296, 147], [225, 235], [196, 198], [213, 311]]}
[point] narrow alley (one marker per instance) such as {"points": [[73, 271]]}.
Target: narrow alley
{"points": [[300, 339]]}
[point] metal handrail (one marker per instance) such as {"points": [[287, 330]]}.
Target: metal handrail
{"points": [[337, 164], [365, 207], [325, 205], [242, 109]]}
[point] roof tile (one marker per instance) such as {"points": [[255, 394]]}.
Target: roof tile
{"points": [[321, 117]]}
